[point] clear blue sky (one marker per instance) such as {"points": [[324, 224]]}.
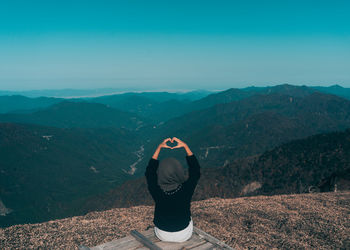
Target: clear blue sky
{"points": [[173, 44]]}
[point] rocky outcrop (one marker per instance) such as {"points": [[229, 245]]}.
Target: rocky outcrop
{"points": [[301, 221]]}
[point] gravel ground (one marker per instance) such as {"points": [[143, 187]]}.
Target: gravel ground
{"points": [[306, 221]]}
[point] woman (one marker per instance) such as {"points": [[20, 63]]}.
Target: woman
{"points": [[172, 193]]}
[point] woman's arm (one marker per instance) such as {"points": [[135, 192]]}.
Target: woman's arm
{"points": [[160, 146], [193, 165], [194, 172], [182, 144], [151, 171], [193, 168], [151, 177]]}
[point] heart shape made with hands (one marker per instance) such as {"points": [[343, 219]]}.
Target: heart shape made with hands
{"points": [[171, 143]]}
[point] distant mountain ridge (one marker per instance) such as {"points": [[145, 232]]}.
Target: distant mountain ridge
{"points": [[69, 114], [91, 93], [163, 105], [234, 94], [335, 90], [15, 102], [18, 103]]}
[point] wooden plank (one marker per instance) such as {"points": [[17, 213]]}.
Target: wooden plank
{"points": [[144, 240], [148, 232], [211, 239], [200, 240], [126, 246], [125, 243], [150, 235], [153, 238], [194, 241], [206, 246], [113, 242]]}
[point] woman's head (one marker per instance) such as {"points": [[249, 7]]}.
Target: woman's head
{"points": [[170, 174]]}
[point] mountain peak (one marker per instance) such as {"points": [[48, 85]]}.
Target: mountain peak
{"points": [[336, 86]]}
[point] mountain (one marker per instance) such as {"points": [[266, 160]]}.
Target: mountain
{"points": [[159, 96], [296, 167], [300, 221], [160, 106], [234, 94], [22, 104], [90, 139], [48, 172], [93, 93], [144, 103], [70, 114], [63, 93], [147, 105], [238, 129], [30, 101], [335, 90], [227, 113], [301, 165], [255, 124]]}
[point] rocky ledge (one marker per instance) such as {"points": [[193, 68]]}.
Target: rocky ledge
{"points": [[303, 221]]}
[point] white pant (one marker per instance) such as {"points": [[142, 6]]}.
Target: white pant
{"points": [[179, 236]]}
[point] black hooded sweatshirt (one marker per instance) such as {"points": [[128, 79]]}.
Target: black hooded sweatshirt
{"points": [[172, 208]]}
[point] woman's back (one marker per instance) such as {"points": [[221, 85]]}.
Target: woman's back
{"points": [[172, 207]]}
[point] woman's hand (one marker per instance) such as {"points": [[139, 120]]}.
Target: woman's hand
{"points": [[160, 146], [179, 142], [164, 145], [182, 144]]}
